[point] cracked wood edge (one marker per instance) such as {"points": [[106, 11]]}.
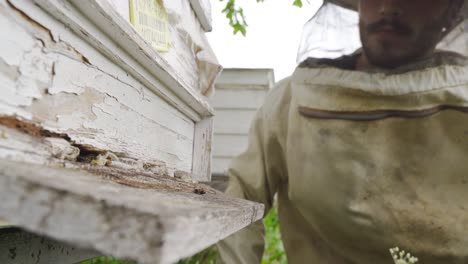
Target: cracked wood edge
{"points": [[88, 211]]}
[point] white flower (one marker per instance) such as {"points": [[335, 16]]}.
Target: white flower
{"points": [[402, 257]]}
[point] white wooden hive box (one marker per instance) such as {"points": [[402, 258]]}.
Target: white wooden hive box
{"points": [[102, 136]]}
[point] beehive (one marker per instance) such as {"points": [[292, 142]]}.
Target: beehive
{"points": [[103, 138]]}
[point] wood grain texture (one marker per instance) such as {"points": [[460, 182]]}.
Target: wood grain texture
{"points": [[201, 167], [19, 247], [203, 10], [18, 146], [190, 52], [144, 224], [113, 36]]}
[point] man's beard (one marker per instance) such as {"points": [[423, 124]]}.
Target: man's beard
{"points": [[385, 55]]}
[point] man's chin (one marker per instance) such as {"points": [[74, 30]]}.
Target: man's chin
{"points": [[387, 62], [387, 59]]}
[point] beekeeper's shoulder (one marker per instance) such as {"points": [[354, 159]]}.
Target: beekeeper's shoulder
{"points": [[278, 101]]}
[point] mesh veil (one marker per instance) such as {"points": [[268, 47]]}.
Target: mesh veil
{"points": [[334, 31]]}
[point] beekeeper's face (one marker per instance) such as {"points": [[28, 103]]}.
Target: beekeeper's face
{"points": [[396, 32]]}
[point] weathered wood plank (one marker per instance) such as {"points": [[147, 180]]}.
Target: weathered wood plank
{"points": [[203, 10], [18, 146], [110, 34], [136, 219], [122, 7], [201, 167], [181, 75], [189, 46], [21, 247]]}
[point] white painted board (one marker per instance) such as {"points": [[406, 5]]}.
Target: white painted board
{"points": [[240, 92], [202, 9], [220, 165], [233, 122], [228, 146], [238, 99]]}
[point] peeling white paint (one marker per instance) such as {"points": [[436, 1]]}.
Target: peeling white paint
{"points": [[15, 41], [70, 74], [35, 74], [96, 106], [21, 55], [10, 110]]}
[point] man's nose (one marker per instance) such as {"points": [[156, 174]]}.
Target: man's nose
{"points": [[391, 8]]}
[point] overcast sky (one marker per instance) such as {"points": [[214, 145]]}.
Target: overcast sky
{"points": [[272, 39]]}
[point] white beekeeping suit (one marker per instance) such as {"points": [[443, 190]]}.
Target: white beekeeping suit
{"points": [[360, 161]]}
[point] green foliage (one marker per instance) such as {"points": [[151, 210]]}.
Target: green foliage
{"points": [[106, 260], [236, 16], [297, 3], [274, 251]]}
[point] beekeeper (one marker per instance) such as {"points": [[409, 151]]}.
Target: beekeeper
{"points": [[369, 150]]}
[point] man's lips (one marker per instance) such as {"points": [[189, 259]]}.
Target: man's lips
{"points": [[389, 33], [389, 28]]}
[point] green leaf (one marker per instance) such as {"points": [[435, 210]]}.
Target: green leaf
{"points": [[297, 3]]}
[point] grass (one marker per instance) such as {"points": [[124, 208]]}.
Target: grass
{"points": [[106, 260], [274, 251]]}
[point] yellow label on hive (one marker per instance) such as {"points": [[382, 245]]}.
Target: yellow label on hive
{"points": [[150, 19]]}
